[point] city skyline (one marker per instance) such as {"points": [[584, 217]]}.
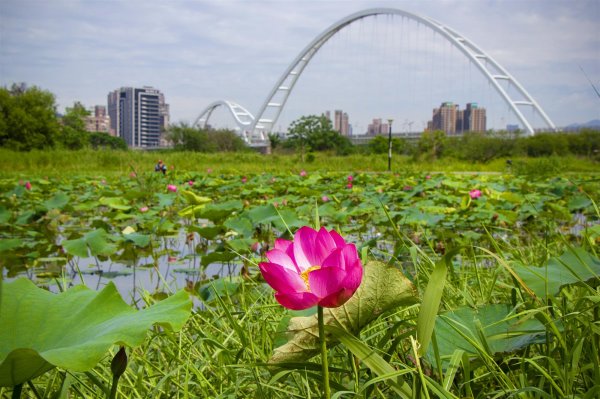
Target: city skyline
{"points": [[199, 52]]}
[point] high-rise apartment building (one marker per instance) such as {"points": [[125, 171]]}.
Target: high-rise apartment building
{"points": [[449, 118], [444, 117], [474, 118], [98, 120], [377, 127], [138, 115], [340, 122]]}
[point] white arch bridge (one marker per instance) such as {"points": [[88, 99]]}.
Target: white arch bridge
{"points": [[255, 129]]}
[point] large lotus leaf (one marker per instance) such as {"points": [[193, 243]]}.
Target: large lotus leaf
{"points": [[74, 329], [383, 288], [59, 200], [503, 332], [115, 203], [572, 267], [194, 199], [97, 241]]}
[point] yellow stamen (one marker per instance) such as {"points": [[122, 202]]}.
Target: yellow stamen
{"points": [[305, 273]]}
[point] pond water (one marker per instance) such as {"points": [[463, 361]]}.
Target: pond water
{"points": [[168, 272]]}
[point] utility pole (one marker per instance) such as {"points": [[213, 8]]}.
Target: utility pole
{"points": [[390, 145]]}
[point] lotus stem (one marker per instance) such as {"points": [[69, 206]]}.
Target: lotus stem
{"points": [[16, 394], [324, 362]]}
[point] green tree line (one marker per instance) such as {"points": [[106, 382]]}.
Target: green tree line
{"points": [[29, 121]]}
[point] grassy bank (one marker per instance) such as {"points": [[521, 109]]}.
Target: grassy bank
{"points": [[58, 162]]}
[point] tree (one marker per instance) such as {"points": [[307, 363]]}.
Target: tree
{"points": [[380, 145], [73, 134], [187, 138], [432, 143], [105, 140], [27, 118], [315, 133]]}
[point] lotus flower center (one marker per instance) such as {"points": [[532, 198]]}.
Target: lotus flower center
{"points": [[305, 274]]}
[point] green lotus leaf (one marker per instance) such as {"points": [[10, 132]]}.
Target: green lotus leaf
{"points": [[217, 212], [572, 267], [96, 241], [141, 240], [59, 200], [115, 203], [72, 330], [217, 256], [383, 288], [240, 225], [194, 199], [503, 332]]}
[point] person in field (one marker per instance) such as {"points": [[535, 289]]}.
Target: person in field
{"points": [[160, 167]]}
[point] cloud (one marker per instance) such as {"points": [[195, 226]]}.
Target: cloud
{"points": [[200, 51]]}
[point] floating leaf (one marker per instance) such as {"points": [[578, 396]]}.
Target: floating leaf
{"points": [[115, 203], [59, 200], [220, 287], [383, 288], [74, 329], [194, 199], [96, 241]]}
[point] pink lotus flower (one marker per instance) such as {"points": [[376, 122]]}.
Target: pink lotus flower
{"points": [[316, 268], [191, 182], [172, 188], [144, 209], [27, 185], [350, 178], [427, 177], [475, 194], [302, 173], [325, 198], [349, 185]]}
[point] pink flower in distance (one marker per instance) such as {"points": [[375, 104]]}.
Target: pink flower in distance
{"points": [[244, 179], [209, 170], [316, 268], [191, 182], [475, 194], [27, 185], [132, 175], [172, 188], [324, 198], [427, 177], [144, 209], [349, 185], [350, 178], [302, 173]]}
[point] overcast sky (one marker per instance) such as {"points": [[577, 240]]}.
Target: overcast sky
{"points": [[200, 51]]}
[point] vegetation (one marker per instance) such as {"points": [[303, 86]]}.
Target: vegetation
{"points": [[29, 121], [187, 138], [495, 296]]}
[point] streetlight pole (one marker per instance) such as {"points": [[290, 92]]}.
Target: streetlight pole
{"points": [[390, 145]]}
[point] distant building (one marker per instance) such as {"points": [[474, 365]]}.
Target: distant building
{"points": [[444, 117], [377, 127], [340, 122], [98, 120], [474, 118], [450, 119], [138, 115]]}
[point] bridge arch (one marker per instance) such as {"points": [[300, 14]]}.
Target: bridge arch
{"points": [[243, 119], [271, 108]]}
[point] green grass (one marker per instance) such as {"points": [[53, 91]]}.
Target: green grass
{"points": [[90, 162]]}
